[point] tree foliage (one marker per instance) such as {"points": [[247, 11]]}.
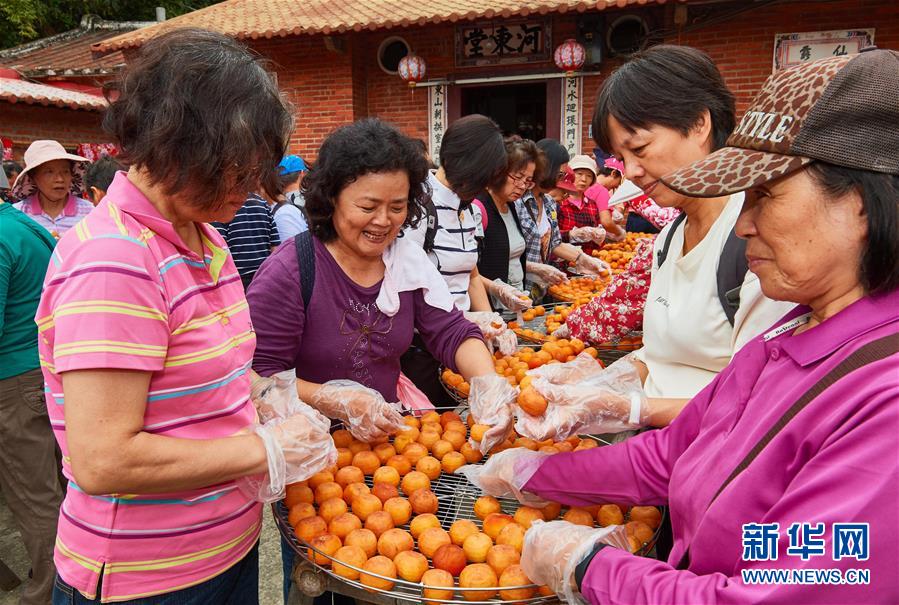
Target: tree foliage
{"points": [[25, 20]]}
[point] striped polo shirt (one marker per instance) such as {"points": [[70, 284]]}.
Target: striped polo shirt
{"points": [[124, 292], [250, 235], [75, 209], [455, 251]]}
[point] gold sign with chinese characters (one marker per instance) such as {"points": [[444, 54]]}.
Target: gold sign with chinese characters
{"points": [[492, 42]]}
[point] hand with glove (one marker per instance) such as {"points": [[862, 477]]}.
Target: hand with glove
{"points": [[582, 367], [297, 445], [589, 265], [274, 396], [490, 402], [583, 235], [364, 411], [496, 332], [608, 401], [546, 274], [618, 217], [552, 551], [505, 474], [512, 298]]}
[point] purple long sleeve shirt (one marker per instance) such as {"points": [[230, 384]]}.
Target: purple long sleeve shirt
{"points": [[343, 334], [835, 462]]}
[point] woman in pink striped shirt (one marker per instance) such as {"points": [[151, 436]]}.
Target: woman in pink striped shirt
{"points": [[146, 343]]}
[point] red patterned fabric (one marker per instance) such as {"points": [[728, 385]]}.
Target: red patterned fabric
{"points": [[7, 148], [95, 151], [619, 309]]}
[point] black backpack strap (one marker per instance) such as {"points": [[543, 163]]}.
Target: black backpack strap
{"points": [[732, 268], [873, 351], [306, 263], [430, 224], [662, 254]]}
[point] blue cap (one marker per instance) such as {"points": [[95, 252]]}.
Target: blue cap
{"points": [[291, 164]]}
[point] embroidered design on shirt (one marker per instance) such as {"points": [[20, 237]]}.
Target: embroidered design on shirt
{"points": [[368, 324]]}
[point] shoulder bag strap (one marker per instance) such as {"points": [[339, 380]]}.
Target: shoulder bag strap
{"points": [[306, 263], [869, 353], [663, 253]]}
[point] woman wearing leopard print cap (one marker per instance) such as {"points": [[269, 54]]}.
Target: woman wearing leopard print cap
{"points": [[781, 476]]}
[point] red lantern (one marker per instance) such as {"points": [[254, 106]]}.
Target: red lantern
{"points": [[412, 69], [570, 56]]}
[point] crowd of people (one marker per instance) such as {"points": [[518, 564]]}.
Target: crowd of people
{"points": [[152, 302]]}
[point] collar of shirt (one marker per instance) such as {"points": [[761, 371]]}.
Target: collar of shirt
{"points": [[33, 205], [131, 201], [442, 192], [857, 319], [577, 203]]}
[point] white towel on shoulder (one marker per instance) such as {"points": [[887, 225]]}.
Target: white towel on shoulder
{"points": [[407, 267]]}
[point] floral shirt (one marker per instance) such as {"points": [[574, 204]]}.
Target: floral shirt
{"points": [[655, 214], [619, 309]]}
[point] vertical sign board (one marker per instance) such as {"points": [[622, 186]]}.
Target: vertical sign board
{"points": [[436, 119], [798, 48], [571, 115]]}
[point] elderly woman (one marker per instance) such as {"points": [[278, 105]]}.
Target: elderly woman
{"points": [[787, 460], [48, 185], [662, 110], [146, 343]]}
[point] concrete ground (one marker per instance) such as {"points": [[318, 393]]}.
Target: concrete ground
{"points": [[270, 581]]}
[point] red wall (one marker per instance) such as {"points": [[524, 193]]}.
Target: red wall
{"points": [[26, 123]]}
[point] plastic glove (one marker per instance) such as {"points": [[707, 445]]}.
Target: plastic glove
{"points": [[618, 217], [581, 235], [505, 474], [490, 403], [589, 265], [561, 332], [580, 368], [546, 274], [296, 448], [275, 396], [552, 551], [512, 298], [507, 342], [364, 411], [610, 401]]}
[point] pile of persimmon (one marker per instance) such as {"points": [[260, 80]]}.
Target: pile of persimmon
{"points": [[580, 290]]}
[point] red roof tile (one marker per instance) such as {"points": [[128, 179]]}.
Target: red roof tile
{"points": [[69, 53], [274, 18], [21, 91]]}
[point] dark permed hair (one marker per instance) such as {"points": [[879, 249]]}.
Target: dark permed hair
{"points": [[879, 269], [369, 146], [200, 113], [669, 86]]}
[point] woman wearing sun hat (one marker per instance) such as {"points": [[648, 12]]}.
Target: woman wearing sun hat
{"points": [[49, 185], [787, 460]]}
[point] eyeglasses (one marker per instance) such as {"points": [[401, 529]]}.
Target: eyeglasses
{"points": [[527, 181]]}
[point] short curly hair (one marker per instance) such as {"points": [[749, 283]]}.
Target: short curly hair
{"points": [[369, 146], [202, 115], [519, 153]]}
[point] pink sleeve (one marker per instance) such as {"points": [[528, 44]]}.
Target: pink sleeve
{"points": [[655, 214], [480, 205], [103, 307], [599, 195], [619, 309]]}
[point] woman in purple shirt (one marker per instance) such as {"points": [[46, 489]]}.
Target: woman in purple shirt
{"points": [[786, 465], [365, 188]]}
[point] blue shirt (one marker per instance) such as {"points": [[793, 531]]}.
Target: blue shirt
{"points": [[250, 235]]}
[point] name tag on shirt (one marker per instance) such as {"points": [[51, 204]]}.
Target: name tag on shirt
{"points": [[787, 327]]}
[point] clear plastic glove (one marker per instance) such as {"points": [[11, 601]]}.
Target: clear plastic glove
{"points": [[490, 402], [580, 368], [546, 274], [505, 474], [296, 448], [275, 396], [512, 298], [582, 235], [561, 332], [610, 401], [496, 333], [552, 551], [364, 411], [618, 217], [589, 265]]}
